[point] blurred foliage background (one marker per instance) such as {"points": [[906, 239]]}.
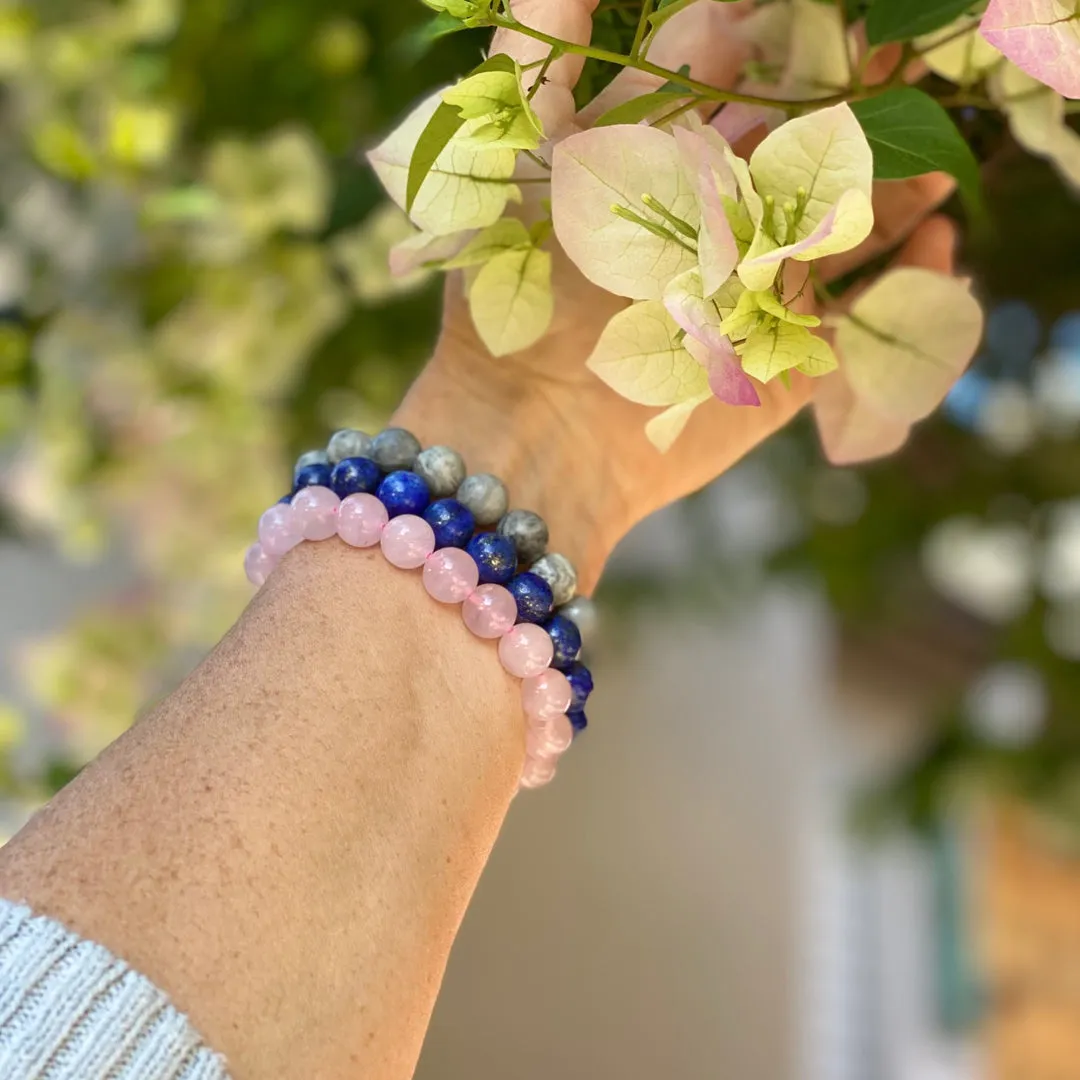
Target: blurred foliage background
{"points": [[193, 288]]}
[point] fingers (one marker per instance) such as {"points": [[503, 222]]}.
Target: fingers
{"points": [[899, 206], [932, 246], [703, 36], [570, 20]]}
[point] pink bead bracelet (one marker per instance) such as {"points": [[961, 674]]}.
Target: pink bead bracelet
{"points": [[451, 576]]}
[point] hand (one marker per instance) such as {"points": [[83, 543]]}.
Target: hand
{"points": [[567, 445]]}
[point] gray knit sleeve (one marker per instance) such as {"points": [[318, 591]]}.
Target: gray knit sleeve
{"points": [[70, 1010]]}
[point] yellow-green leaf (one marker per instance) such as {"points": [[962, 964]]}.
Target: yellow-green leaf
{"points": [[511, 301]]}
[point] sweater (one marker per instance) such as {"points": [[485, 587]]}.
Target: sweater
{"points": [[70, 1010]]}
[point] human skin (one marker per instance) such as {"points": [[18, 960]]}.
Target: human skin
{"points": [[287, 844]]}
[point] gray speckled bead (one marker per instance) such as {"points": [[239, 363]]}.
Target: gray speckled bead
{"points": [[442, 469], [395, 448], [348, 443], [559, 573], [312, 457], [582, 611], [485, 495], [528, 531]]}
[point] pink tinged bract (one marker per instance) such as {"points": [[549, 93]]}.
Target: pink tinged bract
{"points": [[727, 380], [594, 171], [1041, 37], [849, 429], [737, 119]]}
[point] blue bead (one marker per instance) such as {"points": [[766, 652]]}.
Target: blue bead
{"points": [[312, 476], [533, 595], [578, 721], [404, 493], [285, 499], [451, 521], [496, 557], [581, 683], [566, 638], [355, 476]]}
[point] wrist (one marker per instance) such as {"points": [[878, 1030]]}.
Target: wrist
{"points": [[549, 463]]}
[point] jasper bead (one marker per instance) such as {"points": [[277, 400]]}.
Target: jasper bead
{"points": [[348, 443], [404, 493], [442, 469], [395, 448], [537, 772], [527, 531], [495, 556], [485, 495], [316, 508], [355, 476], [581, 611], [280, 530], [450, 575], [407, 541], [311, 476], [257, 564], [546, 695], [452, 522], [581, 684], [489, 612], [361, 519], [533, 596], [565, 638], [559, 573], [312, 457], [526, 650]]}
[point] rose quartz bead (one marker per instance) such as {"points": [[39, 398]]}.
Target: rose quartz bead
{"points": [[549, 738], [280, 530], [537, 772], [490, 611], [450, 575], [361, 520], [258, 564], [407, 541], [526, 650], [316, 507], [546, 695]]}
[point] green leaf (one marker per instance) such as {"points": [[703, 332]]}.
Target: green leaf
{"points": [[637, 109], [911, 134], [673, 87], [444, 124], [415, 45], [901, 20]]}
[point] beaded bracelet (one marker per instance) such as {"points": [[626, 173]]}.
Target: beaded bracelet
{"points": [[422, 509]]}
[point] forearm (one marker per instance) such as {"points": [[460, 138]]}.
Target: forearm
{"points": [[288, 843]]}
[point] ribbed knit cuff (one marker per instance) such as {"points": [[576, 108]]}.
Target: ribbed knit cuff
{"points": [[70, 1010]]}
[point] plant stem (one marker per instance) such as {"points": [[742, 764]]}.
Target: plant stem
{"points": [[539, 80], [538, 159], [642, 26], [710, 93]]}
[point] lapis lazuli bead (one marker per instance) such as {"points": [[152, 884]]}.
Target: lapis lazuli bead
{"points": [[404, 492], [312, 476], [452, 523], [578, 721], [285, 499], [581, 683], [355, 476], [533, 596], [566, 638], [495, 556]]}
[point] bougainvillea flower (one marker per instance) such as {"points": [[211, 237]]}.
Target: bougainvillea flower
{"points": [[1041, 37]]}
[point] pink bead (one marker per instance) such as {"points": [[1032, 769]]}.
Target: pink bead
{"points": [[549, 738], [280, 530], [258, 564], [537, 772], [407, 541], [316, 508], [361, 520], [450, 575], [526, 650], [546, 695], [490, 611]]}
